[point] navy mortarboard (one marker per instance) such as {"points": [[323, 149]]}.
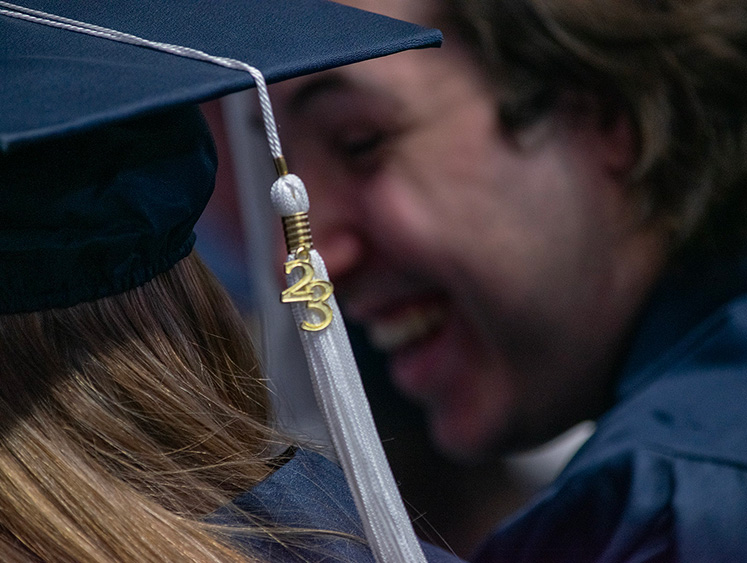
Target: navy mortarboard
{"points": [[57, 83], [106, 164]]}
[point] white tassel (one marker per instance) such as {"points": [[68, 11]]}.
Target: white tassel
{"points": [[345, 408]]}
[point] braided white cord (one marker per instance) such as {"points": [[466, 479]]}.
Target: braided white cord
{"points": [[53, 20], [343, 401]]}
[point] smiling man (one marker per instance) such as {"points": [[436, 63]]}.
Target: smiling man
{"points": [[539, 224], [501, 270]]}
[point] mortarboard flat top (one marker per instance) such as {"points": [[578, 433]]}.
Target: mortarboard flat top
{"points": [[55, 82]]}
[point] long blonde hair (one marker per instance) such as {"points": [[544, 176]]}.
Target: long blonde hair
{"points": [[125, 421]]}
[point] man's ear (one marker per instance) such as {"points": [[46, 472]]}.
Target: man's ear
{"points": [[608, 128], [618, 142]]}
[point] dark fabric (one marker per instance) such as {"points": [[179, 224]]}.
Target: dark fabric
{"points": [[56, 82], [308, 492], [664, 477], [101, 212]]}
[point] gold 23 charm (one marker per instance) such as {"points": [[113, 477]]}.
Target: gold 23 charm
{"points": [[313, 292]]}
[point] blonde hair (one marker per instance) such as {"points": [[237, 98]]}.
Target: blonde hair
{"points": [[125, 421]]}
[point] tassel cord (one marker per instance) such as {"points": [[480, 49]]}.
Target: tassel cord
{"points": [[342, 399]]}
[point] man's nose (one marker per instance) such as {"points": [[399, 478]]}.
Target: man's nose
{"points": [[342, 251]]}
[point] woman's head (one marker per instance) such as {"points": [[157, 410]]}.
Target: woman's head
{"points": [[104, 170], [131, 399]]}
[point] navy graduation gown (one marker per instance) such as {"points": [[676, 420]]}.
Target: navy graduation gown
{"points": [[307, 492], [664, 477]]}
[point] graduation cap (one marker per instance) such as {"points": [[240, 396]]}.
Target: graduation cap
{"points": [[106, 164]]}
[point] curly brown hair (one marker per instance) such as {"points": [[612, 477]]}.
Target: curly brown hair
{"points": [[676, 68]]}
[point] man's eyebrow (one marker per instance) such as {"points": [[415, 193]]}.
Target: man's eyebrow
{"points": [[313, 89], [304, 97]]}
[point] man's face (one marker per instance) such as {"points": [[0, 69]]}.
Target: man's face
{"points": [[495, 272]]}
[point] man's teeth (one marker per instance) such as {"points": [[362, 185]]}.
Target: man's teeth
{"points": [[404, 329]]}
